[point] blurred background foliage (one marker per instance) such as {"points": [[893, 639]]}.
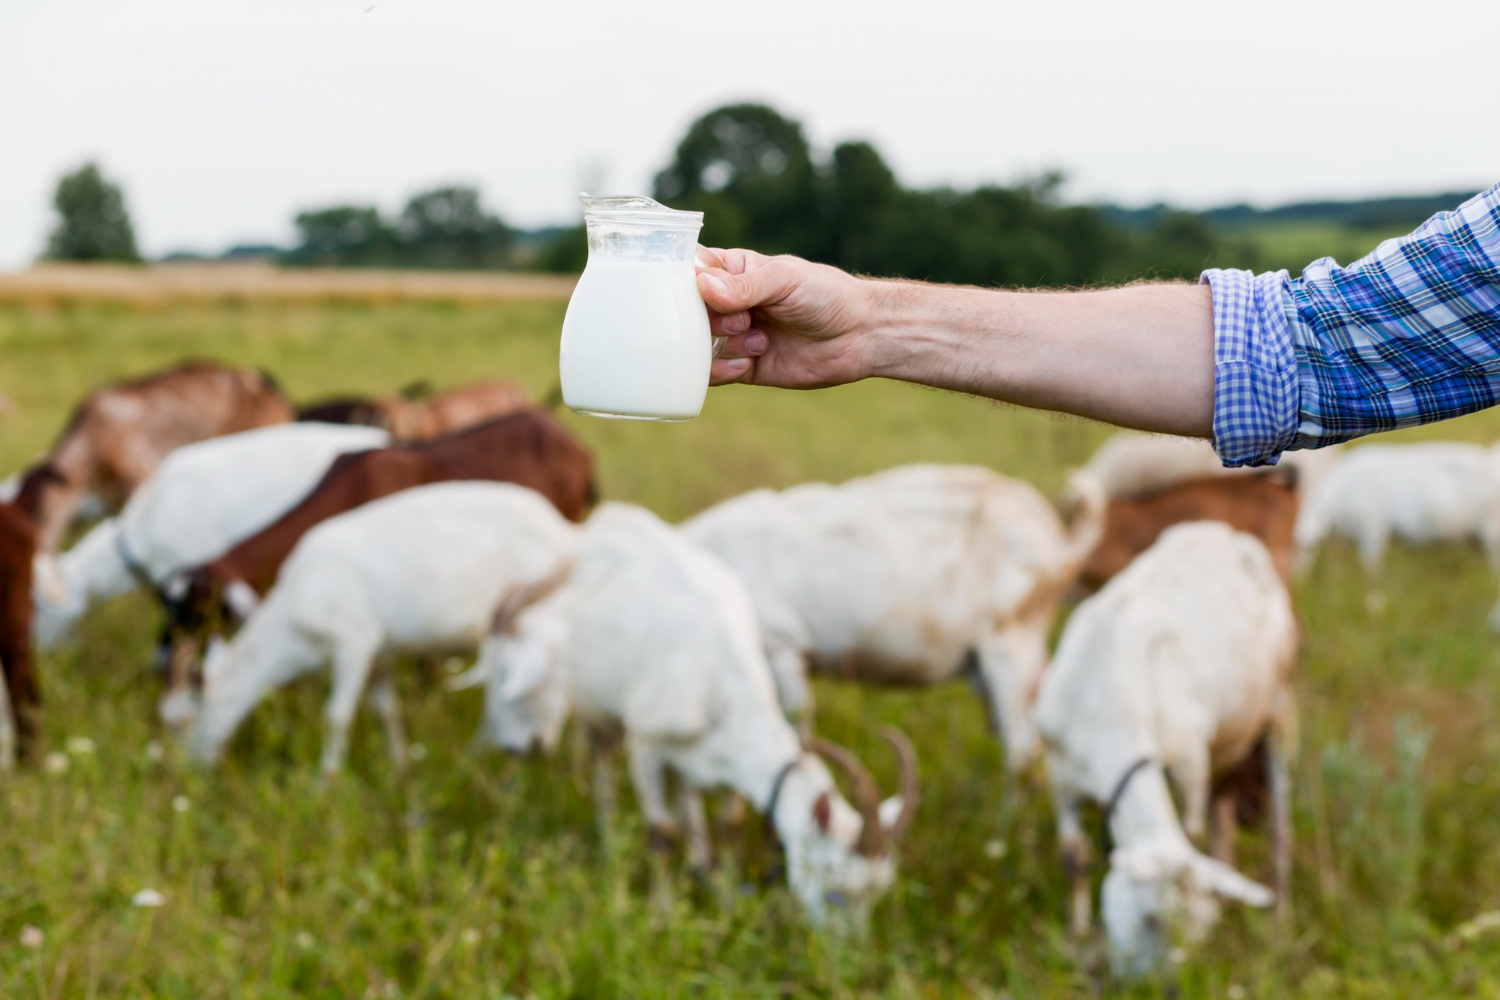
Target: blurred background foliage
{"points": [[760, 184], [92, 221]]}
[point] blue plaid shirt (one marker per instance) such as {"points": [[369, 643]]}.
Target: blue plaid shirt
{"points": [[1407, 335]]}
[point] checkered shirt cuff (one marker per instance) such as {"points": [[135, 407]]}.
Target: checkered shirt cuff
{"points": [[1255, 367]]}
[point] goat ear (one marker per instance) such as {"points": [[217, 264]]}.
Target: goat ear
{"points": [[1226, 883], [47, 578], [522, 666], [1147, 862], [890, 811], [823, 812]]}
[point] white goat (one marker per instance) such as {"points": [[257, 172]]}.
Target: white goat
{"points": [[1131, 465], [1179, 667], [201, 500], [908, 577], [1422, 493], [422, 570], [651, 636]]}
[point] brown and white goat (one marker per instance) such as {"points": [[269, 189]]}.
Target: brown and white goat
{"points": [[120, 433]]}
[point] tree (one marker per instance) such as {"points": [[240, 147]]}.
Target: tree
{"points": [[751, 173], [92, 221], [448, 228], [343, 236]]}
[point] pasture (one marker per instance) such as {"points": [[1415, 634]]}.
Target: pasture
{"points": [[475, 875]]}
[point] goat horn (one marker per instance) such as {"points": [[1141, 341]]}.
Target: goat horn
{"points": [[522, 597], [871, 841], [911, 783]]}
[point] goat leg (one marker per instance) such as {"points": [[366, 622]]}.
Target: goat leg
{"points": [[1281, 827]]}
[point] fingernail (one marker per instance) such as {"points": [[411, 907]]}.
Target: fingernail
{"points": [[715, 283], [756, 343], [737, 323]]}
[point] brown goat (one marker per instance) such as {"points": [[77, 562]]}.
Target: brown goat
{"points": [[529, 448], [1263, 504], [413, 416], [120, 433], [17, 547]]}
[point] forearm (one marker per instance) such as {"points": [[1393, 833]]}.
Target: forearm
{"points": [[1140, 356]]}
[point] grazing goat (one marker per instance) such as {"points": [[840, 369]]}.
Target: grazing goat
{"points": [[1179, 667], [654, 638], [20, 695], [414, 417], [199, 501], [1131, 465], [421, 571], [120, 433], [1423, 493], [1263, 504], [529, 448], [911, 576]]}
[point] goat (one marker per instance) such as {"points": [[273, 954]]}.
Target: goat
{"points": [[1177, 667], [529, 448], [1131, 465], [417, 414], [910, 576], [1263, 504], [200, 500], [1422, 493], [653, 638], [20, 695], [120, 433], [423, 570]]}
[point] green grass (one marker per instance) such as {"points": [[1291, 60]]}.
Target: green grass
{"points": [[481, 876], [1294, 245]]}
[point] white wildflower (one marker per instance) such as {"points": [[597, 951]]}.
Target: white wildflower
{"points": [[305, 940], [180, 803], [56, 763], [147, 899], [155, 751], [79, 745], [32, 937], [1235, 992], [417, 751], [994, 849], [470, 936]]}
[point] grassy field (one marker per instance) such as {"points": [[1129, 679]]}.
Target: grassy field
{"points": [[480, 876], [1293, 245]]}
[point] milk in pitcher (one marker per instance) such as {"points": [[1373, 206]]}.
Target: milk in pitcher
{"points": [[635, 342]]}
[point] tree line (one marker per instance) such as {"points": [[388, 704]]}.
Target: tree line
{"points": [[753, 174]]}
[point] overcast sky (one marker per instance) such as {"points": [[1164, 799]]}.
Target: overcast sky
{"points": [[222, 118]]}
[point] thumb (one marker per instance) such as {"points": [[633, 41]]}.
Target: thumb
{"points": [[731, 293]]}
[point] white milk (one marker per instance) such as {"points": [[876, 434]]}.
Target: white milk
{"points": [[635, 341]]}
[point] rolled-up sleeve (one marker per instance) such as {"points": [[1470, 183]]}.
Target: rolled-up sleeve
{"points": [[1407, 335], [1255, 367]]}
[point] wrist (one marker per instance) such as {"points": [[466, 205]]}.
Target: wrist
{"points": [[905, 338]]}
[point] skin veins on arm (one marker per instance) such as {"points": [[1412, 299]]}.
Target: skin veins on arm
{"points": [[1140, 356]]}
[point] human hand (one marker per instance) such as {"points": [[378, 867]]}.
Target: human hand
{"points": [[789, 322]]}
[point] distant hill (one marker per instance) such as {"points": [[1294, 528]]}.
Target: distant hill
{"points": [[1369, 213]]}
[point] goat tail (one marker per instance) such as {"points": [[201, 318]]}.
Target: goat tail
{"points": [[1085, 500]]}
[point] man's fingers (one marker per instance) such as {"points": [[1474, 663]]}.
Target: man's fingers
{"points": [[745, 345], [728, 325], [726, 370], [731, 293]]}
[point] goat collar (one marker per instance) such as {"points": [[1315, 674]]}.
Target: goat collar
{"points": [[770, 813], [1138, 765]]}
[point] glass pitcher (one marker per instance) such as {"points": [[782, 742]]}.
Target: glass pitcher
{"points": [[635, 341]]}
